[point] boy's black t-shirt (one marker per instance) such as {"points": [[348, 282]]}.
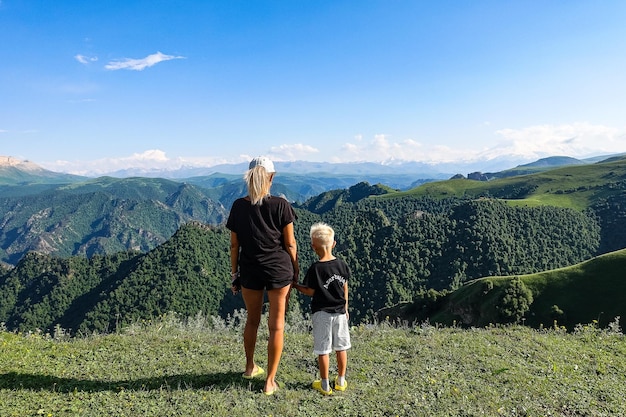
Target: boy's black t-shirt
{"points": [[259, 230], [328, 279]]}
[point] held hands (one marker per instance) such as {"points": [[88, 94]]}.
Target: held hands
{"points": [[235, 284], [294, 281]]}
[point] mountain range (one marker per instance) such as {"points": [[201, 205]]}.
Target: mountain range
{"points": [[63, 214], [423, 170], [91, 253]]}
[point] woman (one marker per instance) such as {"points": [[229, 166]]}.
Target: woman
{"points": [[263, 257]]}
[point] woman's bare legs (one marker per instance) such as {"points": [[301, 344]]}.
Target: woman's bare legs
{"points": [[254, 306], [278, 305]]}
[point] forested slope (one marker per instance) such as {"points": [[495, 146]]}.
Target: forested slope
{"points": [[185, 274], [101, 216], [396, 249]]}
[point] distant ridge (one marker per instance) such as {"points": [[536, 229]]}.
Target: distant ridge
{"points": [[554, 161], [539, 165], [605, 158], [422, 170], [417, 169], [14, 171], [9, 161], [498, 167]]}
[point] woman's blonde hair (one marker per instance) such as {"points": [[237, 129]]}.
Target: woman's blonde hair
{"points": [[323, 233], [258, 181]]}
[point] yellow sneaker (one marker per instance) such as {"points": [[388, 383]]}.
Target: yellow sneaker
{"points": [[340, 387], [317, 385]]}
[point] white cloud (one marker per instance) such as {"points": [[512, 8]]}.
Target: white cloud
{"points": [[140, 64], [291, 152], [350, 148], [149, 155], [152, 159], [380, 148], [575, 140], [578, 140], [85, 59]]}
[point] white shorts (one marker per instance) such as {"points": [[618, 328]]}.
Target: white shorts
{"points": [[330, 332]]}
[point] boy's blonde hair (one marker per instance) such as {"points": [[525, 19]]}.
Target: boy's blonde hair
{"points": [[258, 181], [323, 233]]}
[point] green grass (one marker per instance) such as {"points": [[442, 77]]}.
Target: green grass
{"points": [[192, 368], [594, 289]]}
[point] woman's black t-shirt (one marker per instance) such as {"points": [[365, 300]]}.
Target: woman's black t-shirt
{"points": [[259, 230]]}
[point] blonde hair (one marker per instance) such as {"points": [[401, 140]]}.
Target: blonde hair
{"points": [[323, 233], [258, 181]]}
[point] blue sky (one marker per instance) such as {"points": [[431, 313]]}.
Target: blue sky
{"points": [[95, 86]]}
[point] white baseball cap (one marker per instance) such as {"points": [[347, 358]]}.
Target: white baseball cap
{"points": [[264, 162]]}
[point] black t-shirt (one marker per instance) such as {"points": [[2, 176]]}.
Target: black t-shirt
{"points": [[328, 279], [259, 229]]}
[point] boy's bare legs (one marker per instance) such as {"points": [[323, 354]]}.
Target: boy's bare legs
{"points": [[342, 362], [323, 363], [324, 384], [278, 305], [342, 366], [253, 300]]}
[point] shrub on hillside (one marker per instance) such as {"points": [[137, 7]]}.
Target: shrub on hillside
{"points": [[515, 302]]}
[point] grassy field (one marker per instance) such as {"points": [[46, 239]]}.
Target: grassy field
{"points": [[173, 367]]}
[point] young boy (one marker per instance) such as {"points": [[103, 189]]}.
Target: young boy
{"points": [[327, 282]]}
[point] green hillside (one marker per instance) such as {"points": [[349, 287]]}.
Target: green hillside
{"points": [[576, 187], [588, 292], [332, 199], [598, 190]]}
